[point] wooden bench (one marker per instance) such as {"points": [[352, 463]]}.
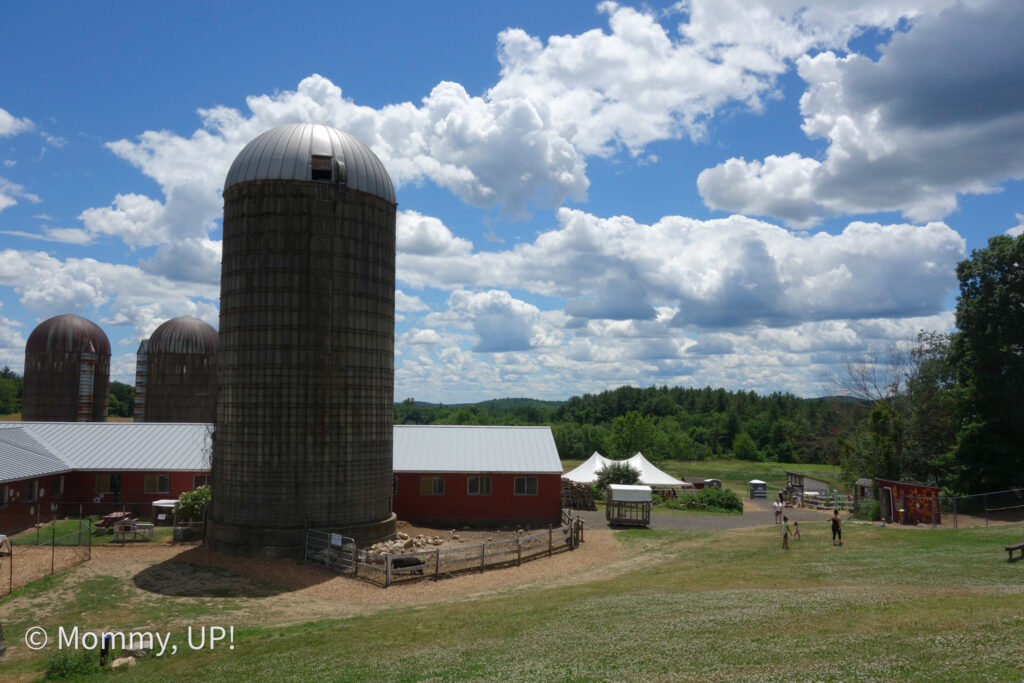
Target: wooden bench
{"points": [[1011, 548]]}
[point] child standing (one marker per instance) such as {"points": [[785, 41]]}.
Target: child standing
{"points": [[837, 528], [796, 530], [785, 533]]}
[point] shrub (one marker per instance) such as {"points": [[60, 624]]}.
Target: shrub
{"points": [[711, 499], [617, 473], [192, 503], [869, 510], [71, 664]]}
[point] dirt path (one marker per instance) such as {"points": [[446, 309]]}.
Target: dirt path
{"points": [[282, 592]]}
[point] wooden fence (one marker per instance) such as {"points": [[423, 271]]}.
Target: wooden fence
{"points": [[828, 502], [391, 568]]}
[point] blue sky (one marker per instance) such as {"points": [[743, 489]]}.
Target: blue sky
{"points": [[739, 194]]}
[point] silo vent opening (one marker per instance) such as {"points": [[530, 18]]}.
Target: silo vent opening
{"points": [[322, 167]]}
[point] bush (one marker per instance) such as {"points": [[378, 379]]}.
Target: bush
{"points": [[192, 503], [869, 510], [618, 473], [71, 664], [710, 499]]}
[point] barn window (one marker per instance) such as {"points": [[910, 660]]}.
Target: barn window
{"points": [[3, 496], [30, 491], [102, 483], [158, 483], [479, 486], [431, 486], [526, 486], [58, 487], [321, 167]]}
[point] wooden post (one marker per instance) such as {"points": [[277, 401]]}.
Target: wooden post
{"points": [[519, 551], [482, 546], [387, 570], [437, 563], [954, 514], [53, 547], [549, 540]]}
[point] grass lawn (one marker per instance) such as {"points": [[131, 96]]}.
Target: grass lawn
{"points": [[66, 532], [891, 604]]}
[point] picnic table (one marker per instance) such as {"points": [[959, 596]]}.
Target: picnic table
{"points": [[111, 519]]}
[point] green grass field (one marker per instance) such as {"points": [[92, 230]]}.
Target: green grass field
{"points": [[891, 604], [65, 532]]}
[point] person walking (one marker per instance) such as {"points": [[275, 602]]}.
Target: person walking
{"points": [[837, 527], [785, 533], [777, 506]]}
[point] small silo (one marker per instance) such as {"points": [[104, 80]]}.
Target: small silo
{"points": [[176, 373], [306, 363], [67, 371]]}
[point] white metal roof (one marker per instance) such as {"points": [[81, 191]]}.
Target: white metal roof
{"points": [[284, 152], [630, 493], [460, 448], [32, 449], [23, 456]]}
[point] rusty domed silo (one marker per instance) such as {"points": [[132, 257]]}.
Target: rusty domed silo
{"points": [[306, 363], [67, 371], [176, 373]]}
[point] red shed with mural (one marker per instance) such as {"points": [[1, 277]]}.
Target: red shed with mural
{"points": [[468, 475], [905, 503]]}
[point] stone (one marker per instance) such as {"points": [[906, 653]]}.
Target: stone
{"points": [[122, 661]]}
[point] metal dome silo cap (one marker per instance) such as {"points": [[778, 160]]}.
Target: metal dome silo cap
{"points": [[291, 152]]}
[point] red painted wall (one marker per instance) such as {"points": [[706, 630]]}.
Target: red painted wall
{"points": [[918, 502], [80, 490], [457, 506]]}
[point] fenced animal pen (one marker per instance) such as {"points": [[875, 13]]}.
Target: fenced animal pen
{"points": [[339, 554], [48, 553]]}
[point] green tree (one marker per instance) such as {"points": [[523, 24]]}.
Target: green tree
{"points": [[617, 473], [10, 391], [988, 354], [121, 399], [744, 448], [634, 433]]}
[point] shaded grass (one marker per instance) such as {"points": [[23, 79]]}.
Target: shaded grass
{"points": [[896, 604]]}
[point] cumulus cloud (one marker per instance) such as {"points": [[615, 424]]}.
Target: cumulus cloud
{"points": [[719, 273], [938, 115], [1017, 230], [11, 125], [500, 321], [48, 286]]}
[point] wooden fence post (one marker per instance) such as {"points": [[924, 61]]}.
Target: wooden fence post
{"points": [[549, 540], [437, 563], [53, 547], [519, 551], [387, 569], [482, 546]]}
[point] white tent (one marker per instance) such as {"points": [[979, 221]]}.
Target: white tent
{"points": [[586, 473], [649, 474]]}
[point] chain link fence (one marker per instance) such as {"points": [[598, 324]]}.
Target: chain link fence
{"points": [[42, 551]]}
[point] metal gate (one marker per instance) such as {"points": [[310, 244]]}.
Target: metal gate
{"points": [[334, 551]]}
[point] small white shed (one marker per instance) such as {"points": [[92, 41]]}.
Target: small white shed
{"points": [[628, 504]]}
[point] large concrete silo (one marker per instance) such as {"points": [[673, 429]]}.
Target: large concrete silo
{"points": [[176, 373], [67, 371], [306, 362]]}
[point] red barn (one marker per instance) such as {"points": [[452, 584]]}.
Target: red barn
{"points": [[465, 475], [57, 468], [908, 503]]}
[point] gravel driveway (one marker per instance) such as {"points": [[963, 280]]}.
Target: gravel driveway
{"points": [[755, 513]]}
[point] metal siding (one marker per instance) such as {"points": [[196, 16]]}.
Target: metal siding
{"points": [[437, 448]]}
